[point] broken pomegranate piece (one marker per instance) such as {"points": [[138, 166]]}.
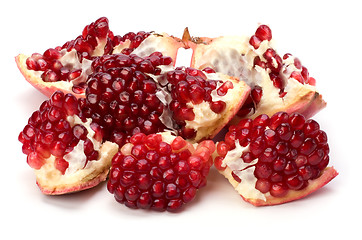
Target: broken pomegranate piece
{"points": [[275, 160], [127, 94], [66, 150], [277, 83], [67, 67], [159, 171]]}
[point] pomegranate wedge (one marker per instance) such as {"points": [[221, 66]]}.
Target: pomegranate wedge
{"points": [[275, 160], [277, 83], [67, 67], [66, 150]]}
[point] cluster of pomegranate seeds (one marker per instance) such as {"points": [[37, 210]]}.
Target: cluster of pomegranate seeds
{"points": [[49, 132], [251, 102], [190, 85], [135, 40], [289, 149], [158, 175], [277, 67], [301, 73], [50, 61], [121, 96], [273, 61]]}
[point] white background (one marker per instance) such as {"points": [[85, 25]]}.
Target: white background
{"points": [[325, 35]]}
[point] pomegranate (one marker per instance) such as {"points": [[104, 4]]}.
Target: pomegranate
{"points": [[67, 67], [275, 160], [66, 150], [159, 171], [277, 83], [127, 94]]}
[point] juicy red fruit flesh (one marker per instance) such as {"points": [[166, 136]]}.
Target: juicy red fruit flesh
{"points": [[161, 177], [121, 96], [290, 151]]}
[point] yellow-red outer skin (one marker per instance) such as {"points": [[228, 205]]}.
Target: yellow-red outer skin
{"points": [[83, 185]]}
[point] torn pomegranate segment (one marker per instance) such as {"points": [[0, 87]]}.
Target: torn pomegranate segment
{"points": [[127, 94], [66, 150], [275, 160], [67, 67], [277, 83], [159, 171]]}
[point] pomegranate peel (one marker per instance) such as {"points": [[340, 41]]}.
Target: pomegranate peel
{"points": [[279, 84], [326, 176], [275, 160]]}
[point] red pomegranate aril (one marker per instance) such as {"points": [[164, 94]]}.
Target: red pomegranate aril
{"points": [[311, 127], [256, 94], [316, 157], [196, 93], [271, 137], [294, 182], [307, 147], [305, 172], [277, 119], [263, 32], [257, 146], [61, 165], [277, 81], [35, 161], [223, 89], [278, 190], [296, 121], [284, 131], [263, 185], [268, 156], [297, 76], [218, 106], [255, 41]]}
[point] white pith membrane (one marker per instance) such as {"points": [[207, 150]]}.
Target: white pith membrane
{"points": [[80, 170], [233, 55], [245, 171], [206, 121], [154, 43]]}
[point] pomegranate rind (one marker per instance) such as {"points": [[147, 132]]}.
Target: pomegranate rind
{"points": [[52, 182], [46, 88], [326, 176]]}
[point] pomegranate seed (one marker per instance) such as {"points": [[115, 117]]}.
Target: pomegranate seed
{"points": [[255, 41], [218, 106], [263, 32], [297, 76]]}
